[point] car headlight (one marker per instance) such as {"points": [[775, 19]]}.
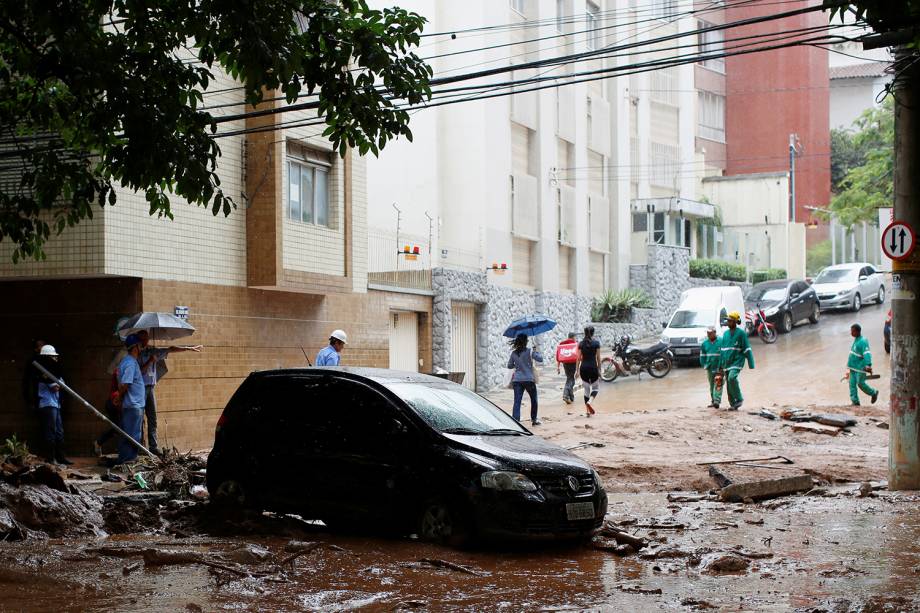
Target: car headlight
{"points": [[771, 311], [504, 480], [844, 292], [597, 478], [665, 339]]}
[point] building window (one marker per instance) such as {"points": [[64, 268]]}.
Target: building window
{"points": [[664, 86], [592, 13], [658, 232], [662, 9], [663, 160], [518, 5], [640, 222], [560, 16], [711, 111], [711, 43], [308, 193]]}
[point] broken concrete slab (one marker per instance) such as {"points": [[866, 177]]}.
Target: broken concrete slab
{"points": [[766, 488], [720, 476], [815, 428]]}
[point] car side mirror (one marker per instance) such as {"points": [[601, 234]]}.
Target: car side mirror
{"points": [[863, 277], [796, 295]]}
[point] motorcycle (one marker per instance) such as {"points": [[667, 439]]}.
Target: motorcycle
{"points": [[755, 322], [656, 360]]}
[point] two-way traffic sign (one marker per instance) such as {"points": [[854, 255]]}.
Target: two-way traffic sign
{"points": [[898, 240]]}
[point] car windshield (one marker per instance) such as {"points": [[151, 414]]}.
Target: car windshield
{"points": [[836, 275], [455, 410], [693, 319], [767, 294]]}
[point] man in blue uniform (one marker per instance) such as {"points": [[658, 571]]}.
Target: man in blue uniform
{"points": [[132, 394], [330, 354]]}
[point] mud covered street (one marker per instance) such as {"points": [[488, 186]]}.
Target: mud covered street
{"points": [[841, 543]]}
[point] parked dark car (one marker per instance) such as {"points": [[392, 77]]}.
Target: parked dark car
{"points": [[403, 453], [887, 332], [785, 302]]}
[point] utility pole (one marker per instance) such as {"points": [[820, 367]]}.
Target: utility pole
{"points": [[904, 433], [793, 139]]}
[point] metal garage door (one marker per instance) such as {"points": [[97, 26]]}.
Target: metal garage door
{"points": [[463, 342], [404, 341]]}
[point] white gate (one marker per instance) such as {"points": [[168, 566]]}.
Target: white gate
{"points": [[463, 342], [404, 341]]}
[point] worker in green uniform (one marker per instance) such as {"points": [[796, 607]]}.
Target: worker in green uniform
{"points": [[735, 350], [711, 360], [859, 364]]}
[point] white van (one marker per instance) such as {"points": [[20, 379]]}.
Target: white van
{"points": [[700, 307]]}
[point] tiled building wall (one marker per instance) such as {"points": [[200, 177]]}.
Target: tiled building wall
{"points": [[78, 251]]}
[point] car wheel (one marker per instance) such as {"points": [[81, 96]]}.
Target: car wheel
{"points": [[857, 303], [881, 295], [786, 323], [440, 523], [815, 314]]}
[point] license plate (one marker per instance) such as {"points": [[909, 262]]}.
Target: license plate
{"points": [[579, 510], [683, 351]]}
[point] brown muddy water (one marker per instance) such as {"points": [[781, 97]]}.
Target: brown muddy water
{"points": [[843, 553]]}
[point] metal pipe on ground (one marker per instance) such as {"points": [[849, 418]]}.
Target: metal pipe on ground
{"points": [[98, 414]]}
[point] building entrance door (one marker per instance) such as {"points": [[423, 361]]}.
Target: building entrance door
{"points": [[404, 341], [463, 342]]}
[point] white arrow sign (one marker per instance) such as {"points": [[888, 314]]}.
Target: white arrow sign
{"points": [[898, 240]]}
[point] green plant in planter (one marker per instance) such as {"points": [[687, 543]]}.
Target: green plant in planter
{"points": [[617, 305], [14, 448], [717, 269]]}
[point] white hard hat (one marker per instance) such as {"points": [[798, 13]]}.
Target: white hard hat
{"points": [[339, 335], [48, 350]]}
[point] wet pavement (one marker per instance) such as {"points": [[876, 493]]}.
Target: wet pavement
{"points": [[841, 553], [802, 367]]}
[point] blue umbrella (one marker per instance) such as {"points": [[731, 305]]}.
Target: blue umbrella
{"points": [[530, 325]]}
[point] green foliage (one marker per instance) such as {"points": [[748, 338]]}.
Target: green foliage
{"points": [[881, 15], [817, 257], [770, 274], [14, 448], [869, 183], [617, 305], [98, 94], [717, 269]]}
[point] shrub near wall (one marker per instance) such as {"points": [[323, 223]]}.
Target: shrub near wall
{"points": [[770, 274], [717, 269]]}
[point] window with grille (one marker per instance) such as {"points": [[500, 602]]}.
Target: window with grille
{"points": [[662, 9], [711, 120], [663, 84], [711, 43], [640, 222], [592, 14], [663, 162]]}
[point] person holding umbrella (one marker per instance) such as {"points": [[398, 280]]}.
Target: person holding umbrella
{"points": [[150, 359], [524, 379], [131, 398]]}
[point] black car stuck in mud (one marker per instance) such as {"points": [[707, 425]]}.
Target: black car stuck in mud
{"points": [[402, 453]]}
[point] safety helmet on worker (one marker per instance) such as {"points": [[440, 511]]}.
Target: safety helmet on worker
{"points": [[339, 335], [48, 350], [735, 315]]}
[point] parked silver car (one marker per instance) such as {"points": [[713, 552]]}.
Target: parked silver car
{"points": [[849, 286]]}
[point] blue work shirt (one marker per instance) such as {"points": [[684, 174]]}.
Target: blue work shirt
{"points": [[150, 372], [129, 373], [49, 395], [522, 363], [327, 356]]}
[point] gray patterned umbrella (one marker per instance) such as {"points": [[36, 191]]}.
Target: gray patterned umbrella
{"points": [[162, 326]]}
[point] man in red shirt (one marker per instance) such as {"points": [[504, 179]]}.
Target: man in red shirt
{"points": [[567, 356]]}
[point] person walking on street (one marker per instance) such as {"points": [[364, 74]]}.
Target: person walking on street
{"points": [[330, 355], [711, 360], [149, 358], [859, 364], [131, 395], [567, 356], [524, 379], [112, 411], [736, 350], [31, 377], [49, 406], [588, 366]]}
